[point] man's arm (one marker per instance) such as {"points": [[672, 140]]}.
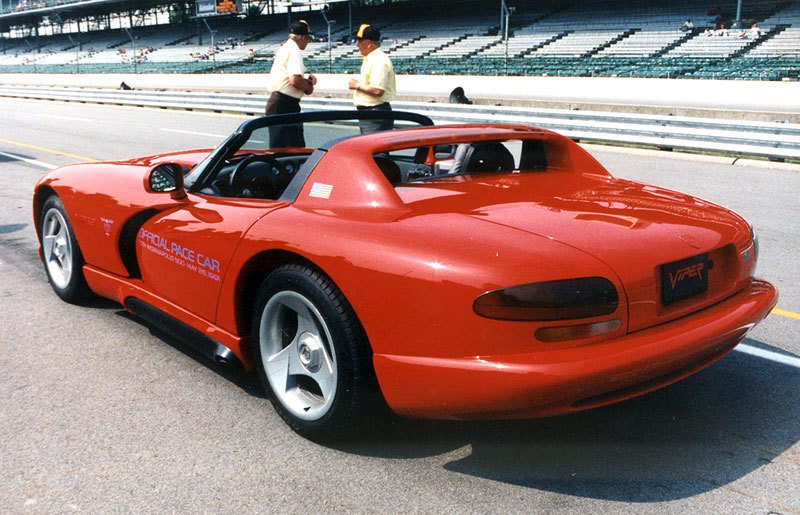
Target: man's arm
{"points": [[303, 84], [372, 91]]}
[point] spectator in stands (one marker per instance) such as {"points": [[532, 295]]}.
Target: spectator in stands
{"points": [[288, 84], [754, 31], [376, 87], [688, 25]]}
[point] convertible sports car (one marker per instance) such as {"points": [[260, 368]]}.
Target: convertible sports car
{"points": [[452, 272]]}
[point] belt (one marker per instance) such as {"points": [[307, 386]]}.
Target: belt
{"points": [[362, 108], [284, 96]]}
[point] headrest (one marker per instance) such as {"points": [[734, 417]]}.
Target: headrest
{"points": [[489, 156]]}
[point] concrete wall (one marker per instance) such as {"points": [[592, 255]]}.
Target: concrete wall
{"points": [[775, 101]]}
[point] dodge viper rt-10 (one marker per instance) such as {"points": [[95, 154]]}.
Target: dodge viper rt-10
{"points": [[450, 272]]}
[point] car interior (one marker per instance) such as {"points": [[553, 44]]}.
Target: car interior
{"points": [[461, 159], [259, 176], [251, 166], [262, 175]]}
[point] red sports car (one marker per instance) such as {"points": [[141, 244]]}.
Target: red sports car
{"points": [[452, 272]]}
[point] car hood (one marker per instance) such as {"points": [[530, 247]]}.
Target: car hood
{"points": [[630, 227]]}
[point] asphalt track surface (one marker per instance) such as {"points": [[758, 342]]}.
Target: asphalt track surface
{"points": [[101, 412]]}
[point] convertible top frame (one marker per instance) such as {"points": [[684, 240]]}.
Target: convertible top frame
{"points": [[200, 174]]}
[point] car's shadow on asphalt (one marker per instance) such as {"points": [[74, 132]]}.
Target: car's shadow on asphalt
{"points": [[692, 437], [704, 432], [102, 303], [233, 373]]}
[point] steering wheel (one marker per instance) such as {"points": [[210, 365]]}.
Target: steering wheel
{"points": [[250, 183]]}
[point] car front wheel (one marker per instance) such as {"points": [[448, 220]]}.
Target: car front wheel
{"points": [[311, 353], [63, 260]]}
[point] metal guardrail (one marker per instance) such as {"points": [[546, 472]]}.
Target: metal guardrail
{"points": [[776, 141]]}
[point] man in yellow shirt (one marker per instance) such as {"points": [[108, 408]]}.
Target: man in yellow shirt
{"points": [[288, 84], [376, 87]]}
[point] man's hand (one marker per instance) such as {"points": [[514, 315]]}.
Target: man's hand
{"points": [[369, 90], [312, 79], [303, 84]]}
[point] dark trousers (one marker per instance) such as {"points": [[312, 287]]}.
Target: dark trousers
{"points": [[284, 135], [370, 126]]}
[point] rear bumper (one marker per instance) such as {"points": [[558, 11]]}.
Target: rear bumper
{"points": [[540, 384]]}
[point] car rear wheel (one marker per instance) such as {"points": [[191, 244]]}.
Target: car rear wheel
{"points": [[311, 353], [63, 260]]}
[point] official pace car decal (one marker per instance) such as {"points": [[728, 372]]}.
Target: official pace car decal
{"points": [[188, 258]]}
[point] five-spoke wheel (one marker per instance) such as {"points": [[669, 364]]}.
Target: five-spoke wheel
{"points": [[63, 260], [311, 353], [57, 248], [297, 354]]}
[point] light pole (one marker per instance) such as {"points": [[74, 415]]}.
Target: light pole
{"points": [[2, 11], [738, 22], [133, 54], [502, 15], [330, 45], [505, 17], [30, 47], [213, 48], [77, 54]]}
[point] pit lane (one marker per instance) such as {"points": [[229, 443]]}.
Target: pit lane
{"points": [[102, 412]]}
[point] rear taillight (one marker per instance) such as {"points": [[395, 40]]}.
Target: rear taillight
{"points": [[566, 299]]}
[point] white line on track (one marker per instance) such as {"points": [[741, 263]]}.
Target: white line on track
{"points": [[31, 161], [196, 133], [70, 118], [772, 356]]}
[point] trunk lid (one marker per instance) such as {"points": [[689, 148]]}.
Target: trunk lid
{"points": [[633, 228]]}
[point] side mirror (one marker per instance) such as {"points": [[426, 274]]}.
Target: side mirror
{"points": [[167, 178]]}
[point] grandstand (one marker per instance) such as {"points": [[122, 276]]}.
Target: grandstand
{"points": [[616, 38]]}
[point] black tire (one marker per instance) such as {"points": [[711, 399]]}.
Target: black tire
{"points": [[312, 355], [62, 256]]}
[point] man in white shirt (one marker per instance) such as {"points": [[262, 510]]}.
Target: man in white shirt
{"points": [[288, 84], [376, 87]]}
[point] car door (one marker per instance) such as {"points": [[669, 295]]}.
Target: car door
{"points": [[184, 253]]}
